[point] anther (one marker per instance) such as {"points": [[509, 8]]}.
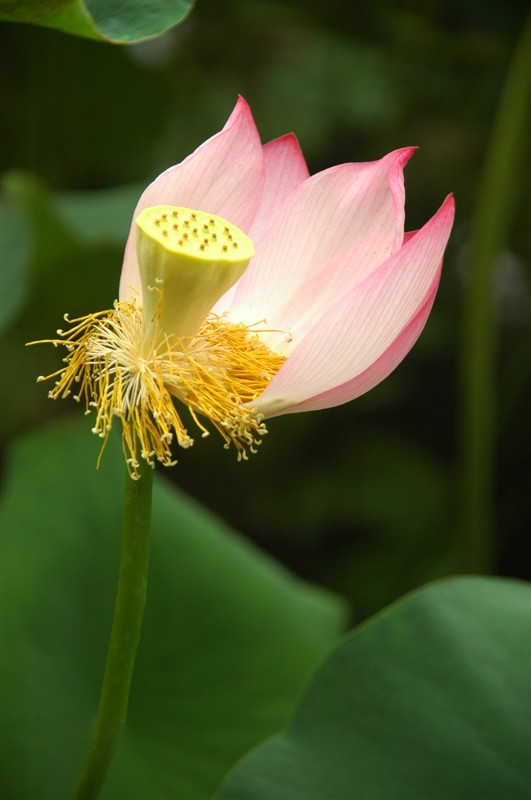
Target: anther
{"points": [[175, 213], [164, 216], [175, 226], [164, 233], [157, 222], [224, 248]]}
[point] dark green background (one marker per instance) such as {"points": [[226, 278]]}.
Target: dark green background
{"points": [[366, 498]]}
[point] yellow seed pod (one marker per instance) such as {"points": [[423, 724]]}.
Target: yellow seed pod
{"points": [[187, 259]]}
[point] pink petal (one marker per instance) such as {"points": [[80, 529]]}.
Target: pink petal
{"points": [[379, 369], [223, 176], [350, 216], [368, 331], [285, 169]]}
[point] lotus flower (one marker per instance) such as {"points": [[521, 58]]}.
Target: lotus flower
{"points": [[334, 297]]}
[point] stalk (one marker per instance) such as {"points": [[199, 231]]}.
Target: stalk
{"points": [[125, 634]]}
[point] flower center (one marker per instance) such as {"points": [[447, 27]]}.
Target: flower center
{"points": [[132, 360], [187, 260], [195, 233]]}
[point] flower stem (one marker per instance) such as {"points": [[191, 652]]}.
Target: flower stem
{"points": [[125, 634]]}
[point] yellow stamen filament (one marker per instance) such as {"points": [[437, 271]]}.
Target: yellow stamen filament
{"points": [[215, 373]]}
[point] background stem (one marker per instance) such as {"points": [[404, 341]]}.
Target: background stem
{"points": [[498, 193], [125, 634]]}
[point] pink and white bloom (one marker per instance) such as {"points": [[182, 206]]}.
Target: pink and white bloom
{"points": [[333, 271], [334, 297]]}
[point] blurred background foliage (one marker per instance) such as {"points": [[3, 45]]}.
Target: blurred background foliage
{"points": [[366, 498]]}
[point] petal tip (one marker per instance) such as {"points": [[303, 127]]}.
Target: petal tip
{"points": [[286, 138], [447, 209], [403, 154], [240, 110]]}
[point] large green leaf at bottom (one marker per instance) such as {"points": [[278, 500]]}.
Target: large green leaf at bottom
{"points": [[229, 638], [428, 701]]}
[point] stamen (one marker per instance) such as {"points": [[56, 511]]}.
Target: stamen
{"points": [[216, 374]]}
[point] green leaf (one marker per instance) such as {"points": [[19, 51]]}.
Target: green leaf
{"points": [[430, 700], [229, 638], [113, 21]]}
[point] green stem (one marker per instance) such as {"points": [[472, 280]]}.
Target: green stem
{"points": [[129, 608], [494, 212]]}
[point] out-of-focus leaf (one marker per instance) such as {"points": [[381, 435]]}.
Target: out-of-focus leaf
{"points": [[430, 699], [14, 256], [72, 218], [113, 21], [99, 216], [229, 637]]}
